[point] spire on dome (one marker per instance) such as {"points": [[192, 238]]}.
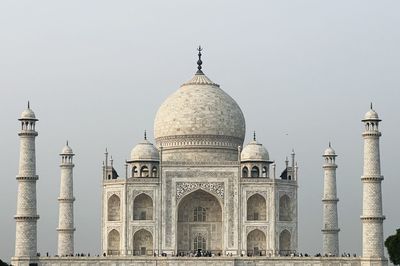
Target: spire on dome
{"points": [[371, 106], [145, 135], [199, 62], [28, 105], [254, 135]]}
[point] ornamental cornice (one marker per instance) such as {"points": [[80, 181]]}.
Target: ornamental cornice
{"points": [[373, 218], [149, 193], [70, 200], [200, 163], [333, 230], [184, 188], [67, 165], [257, 180], [329, 166], [145, 180], [113, 227], [198, 140], [330, 200], [375, 134], [140, 227], [66, 230], [28, 133], [372, 178], [32, 177], [250, 193], [113, 192], [263, 229], [26, 217]]}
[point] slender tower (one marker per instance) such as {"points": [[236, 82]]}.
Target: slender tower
{"points": [[26, 217], [66, 204], [330, 230], [372, 217]]}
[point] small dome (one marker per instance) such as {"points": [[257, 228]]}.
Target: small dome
{"points": [[254, 151], [145, 151], [28, 114], [371, 115], [329, 151], [67, 150]]}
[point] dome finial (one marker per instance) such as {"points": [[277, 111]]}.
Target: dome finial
{"points": [[67, 142], [254, 135], [28, 105], [330, 144], [145, 135], [199, 62], [371, 106]]}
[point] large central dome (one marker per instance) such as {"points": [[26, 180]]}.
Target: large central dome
{"points": [[200, 116]]}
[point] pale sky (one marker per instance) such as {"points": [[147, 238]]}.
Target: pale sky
{"points": [[95, 72]]}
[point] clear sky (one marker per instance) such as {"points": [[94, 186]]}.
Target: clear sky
{"points": [[303, 72]]}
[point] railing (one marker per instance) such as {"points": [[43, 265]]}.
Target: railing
{"points": [[147, 252], [287, 252], [113, 252], [260, 252], [192, 253]]}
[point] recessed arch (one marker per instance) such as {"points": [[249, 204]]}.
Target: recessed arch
{"points": [[264, 171], [142, 243], [113, 242], [143, 207], [144, 171], [114, 208], [208, 208], [256, 243], [285, 208], [256, 208], [255, 171], [245, 172], [134, 171], [285, 242], [154, 171]]}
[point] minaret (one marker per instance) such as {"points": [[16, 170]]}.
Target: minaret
{"points": [[372, 217], [66, 204], [330, 229], [26, 217]]}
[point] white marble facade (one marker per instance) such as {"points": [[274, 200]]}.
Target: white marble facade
{"points": [[195, 188], [198, 188]]}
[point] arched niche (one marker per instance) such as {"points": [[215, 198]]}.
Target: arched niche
{"points": [[143, 207], [114, 208], [256, 208], [256, 243]]}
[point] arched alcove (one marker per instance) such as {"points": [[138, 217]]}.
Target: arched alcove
{"points": [[245, 172], [143, 207], [114, 208], [256, 208], [113, 243], [256, 243], [199, 215], [142, 243], [285, 208], [255, 172], [284, 242]]}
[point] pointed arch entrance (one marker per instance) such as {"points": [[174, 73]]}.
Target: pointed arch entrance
{"points": [[199, 223], [284, 242], [142, 243], [256, 243], [113, 242]]}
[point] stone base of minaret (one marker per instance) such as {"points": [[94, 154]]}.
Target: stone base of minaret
{"points": [[374, 262]]}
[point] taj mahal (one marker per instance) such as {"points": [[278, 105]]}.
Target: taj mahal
{"points": [[199, 195]]}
